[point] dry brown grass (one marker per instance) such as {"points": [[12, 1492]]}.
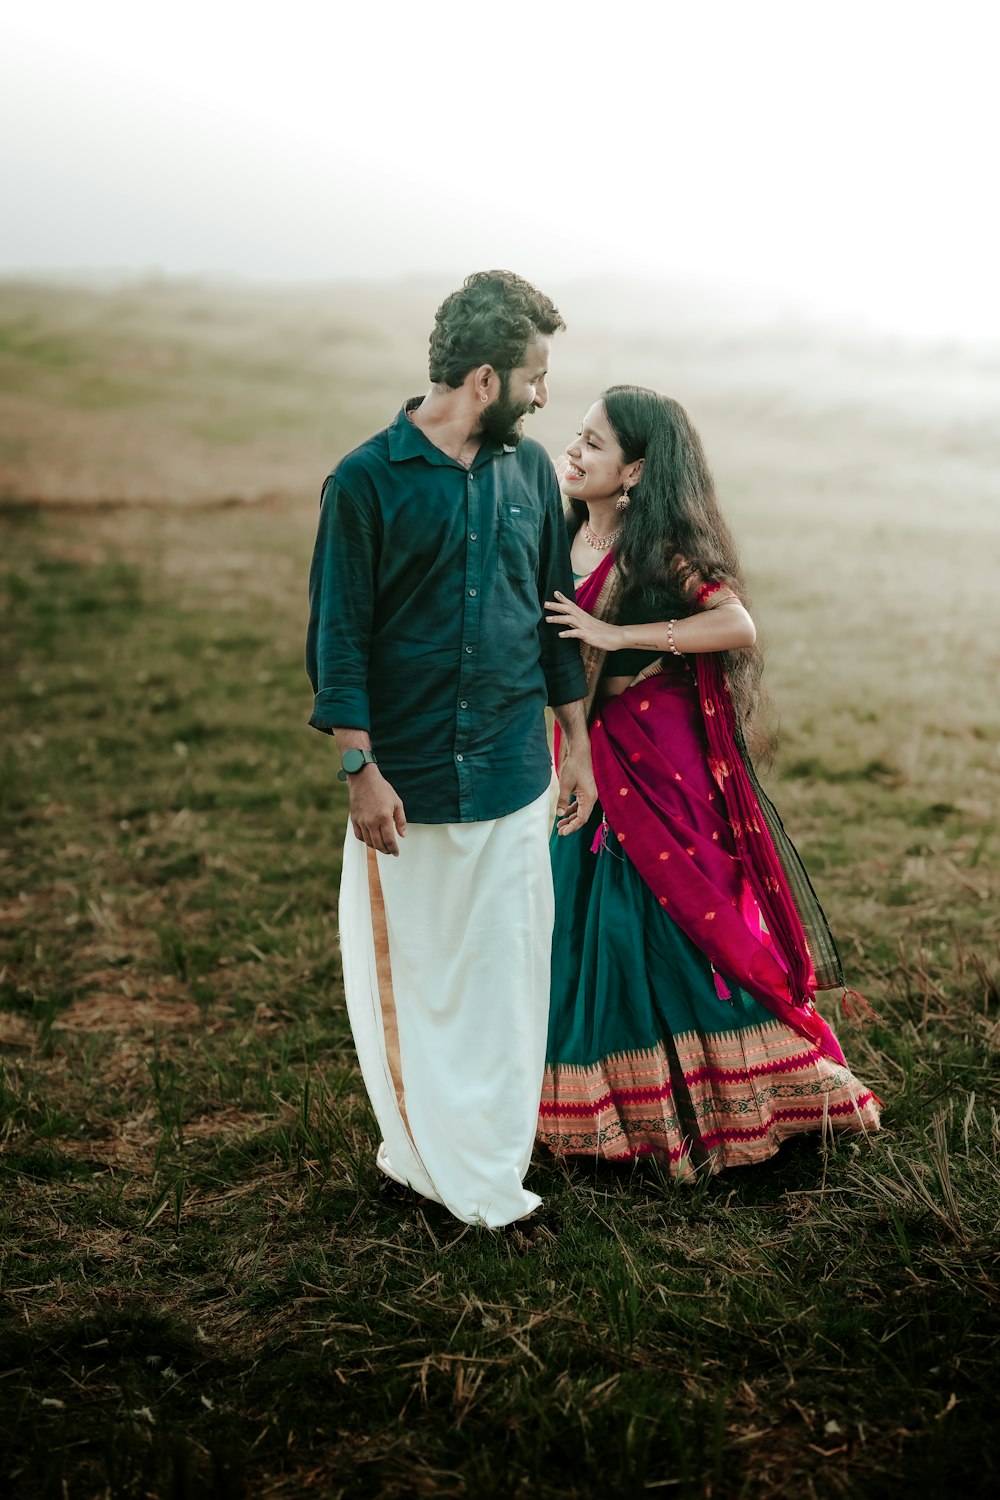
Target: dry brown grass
{"points": [[203, 1290]]}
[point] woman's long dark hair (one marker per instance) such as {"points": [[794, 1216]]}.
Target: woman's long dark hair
{"points": [[673, 530]]}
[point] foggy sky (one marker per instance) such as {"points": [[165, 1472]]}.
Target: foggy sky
{"points": [[838, 158]]}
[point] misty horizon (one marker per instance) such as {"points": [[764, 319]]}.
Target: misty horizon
{"points": [[768, 161]]}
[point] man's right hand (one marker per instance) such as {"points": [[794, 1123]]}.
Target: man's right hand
{"points": [[377, 814]]}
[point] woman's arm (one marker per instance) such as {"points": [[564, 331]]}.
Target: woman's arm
{"points": [[722, 626], [718, 627]]}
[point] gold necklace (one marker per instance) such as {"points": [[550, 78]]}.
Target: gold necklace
{"points": [[599, 543]]}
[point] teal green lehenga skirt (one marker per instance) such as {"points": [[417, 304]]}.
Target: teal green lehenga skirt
{"points": [[646, 1056]]}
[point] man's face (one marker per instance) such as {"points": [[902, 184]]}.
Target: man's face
{"points": [[521, 391]]}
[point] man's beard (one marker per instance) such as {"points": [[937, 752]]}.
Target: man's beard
{"points": [[503, 422]]}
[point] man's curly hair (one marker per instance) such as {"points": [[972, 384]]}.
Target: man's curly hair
{"points": [[491, 320]]}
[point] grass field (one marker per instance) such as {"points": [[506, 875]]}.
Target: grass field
{"points": [[203, 1290]]}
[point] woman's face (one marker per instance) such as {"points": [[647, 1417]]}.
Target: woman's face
{"points": [[597, 468]]}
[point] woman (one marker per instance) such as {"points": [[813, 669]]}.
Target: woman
{"points": [[688, 941]]}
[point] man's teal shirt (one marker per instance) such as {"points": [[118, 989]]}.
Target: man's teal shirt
{"points": [[426, 619]]}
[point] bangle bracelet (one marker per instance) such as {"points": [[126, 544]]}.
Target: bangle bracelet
{"points": [[670, 639]]}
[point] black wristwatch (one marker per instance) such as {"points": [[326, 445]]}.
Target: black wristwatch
{"points": [[353, 761]]}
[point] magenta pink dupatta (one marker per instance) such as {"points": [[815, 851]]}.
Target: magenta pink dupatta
{"points": [[679, 798]]}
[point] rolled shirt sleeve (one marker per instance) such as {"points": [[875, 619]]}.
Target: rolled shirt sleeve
{"points": [[341, 604]]}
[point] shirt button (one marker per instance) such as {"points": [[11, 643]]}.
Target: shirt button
{"points": [[472, 593], [459, 757], [463, 704], [468, 650], [473, 536]]}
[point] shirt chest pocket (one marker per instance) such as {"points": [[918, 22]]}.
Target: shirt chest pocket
{"points": [[517, 544]]}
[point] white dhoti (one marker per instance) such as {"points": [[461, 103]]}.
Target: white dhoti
{"points": [[446, 953]]}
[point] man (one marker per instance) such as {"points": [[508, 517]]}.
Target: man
{"points": [[439, 540]]}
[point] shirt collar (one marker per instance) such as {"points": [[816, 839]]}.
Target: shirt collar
{"points": [[407, 441]]}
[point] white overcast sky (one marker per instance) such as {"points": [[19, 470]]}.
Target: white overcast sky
{"points": [[841, 155]]}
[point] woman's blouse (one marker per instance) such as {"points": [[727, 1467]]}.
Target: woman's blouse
{"points": [[629, 662]]}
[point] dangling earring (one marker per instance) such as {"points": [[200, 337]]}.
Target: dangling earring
{"points": [[622, 502]]}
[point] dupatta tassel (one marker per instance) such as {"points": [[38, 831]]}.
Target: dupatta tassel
{"points": [[721, 987], [856, 1007], [600, 837]]}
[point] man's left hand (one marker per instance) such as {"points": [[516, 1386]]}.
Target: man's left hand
{"points": [[577, 790]]}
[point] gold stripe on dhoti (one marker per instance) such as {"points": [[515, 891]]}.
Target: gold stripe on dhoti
{"points": [[383, 969]]}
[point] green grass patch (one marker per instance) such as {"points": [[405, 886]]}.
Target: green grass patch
{"points": [[204, 1289]]}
